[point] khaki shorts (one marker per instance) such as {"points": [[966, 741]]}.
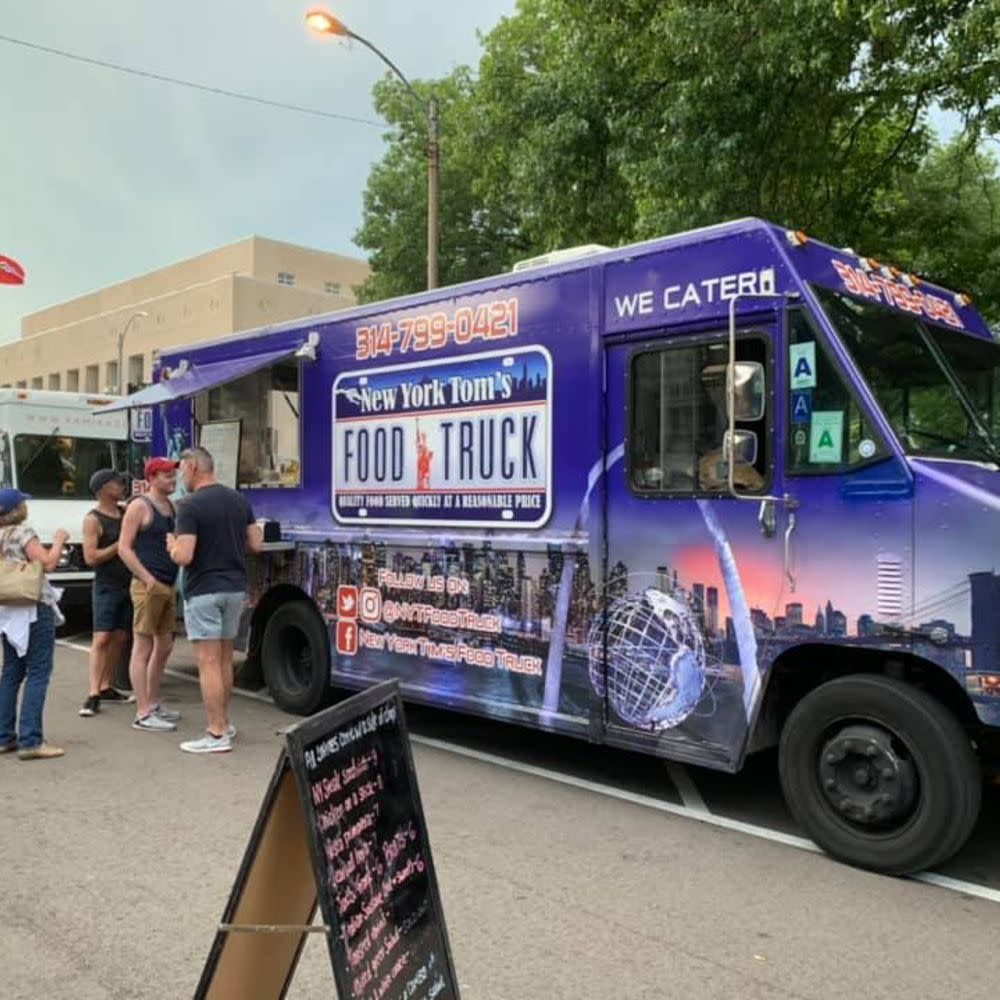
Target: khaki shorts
{"points": [[155, 608]]}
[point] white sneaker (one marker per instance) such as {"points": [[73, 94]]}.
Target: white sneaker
{"points": [[231, 731], [153, 723], [208, 744], [167, 714]]}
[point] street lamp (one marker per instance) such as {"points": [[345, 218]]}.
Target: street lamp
{"points": [[324, 23], [139, 313]]}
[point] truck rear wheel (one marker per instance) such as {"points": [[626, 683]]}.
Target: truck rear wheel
{"points": [[295, 657], [879, 774]]}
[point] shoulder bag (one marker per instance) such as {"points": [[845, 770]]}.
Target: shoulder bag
{"points": [[21, 582]]}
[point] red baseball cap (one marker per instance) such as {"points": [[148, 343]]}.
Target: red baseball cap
{"points": [[155, 465]]}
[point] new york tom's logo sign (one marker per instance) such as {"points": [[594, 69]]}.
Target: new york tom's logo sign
{"points": [[458, 442]]}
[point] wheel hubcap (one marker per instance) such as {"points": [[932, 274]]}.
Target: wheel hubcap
{"points": [[864, 778]]}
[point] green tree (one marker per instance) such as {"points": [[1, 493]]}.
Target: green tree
{"points": [[642, 117], [943, 221], [473, 239]]}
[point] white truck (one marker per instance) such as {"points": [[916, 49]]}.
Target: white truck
{"points": [[51, 443]]}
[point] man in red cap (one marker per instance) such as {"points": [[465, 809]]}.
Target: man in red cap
{"points": [[142, 546]]}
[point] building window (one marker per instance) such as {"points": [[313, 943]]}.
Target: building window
{"points": [[73, 380], [22, 384], [55, 381], [135, 372], [267, 404], [284, 278], [111, 376], [678, 428], [332, 288], [37, 382], [92, 378]]}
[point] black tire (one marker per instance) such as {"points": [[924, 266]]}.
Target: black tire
{"points": [[925, 791], [295, 656]]}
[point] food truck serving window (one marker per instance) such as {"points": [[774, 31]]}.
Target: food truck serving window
{"points": [[678, 423], [266, 402]]}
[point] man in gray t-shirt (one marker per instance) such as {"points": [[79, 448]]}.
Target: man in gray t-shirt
{"points": [[215, 530]]}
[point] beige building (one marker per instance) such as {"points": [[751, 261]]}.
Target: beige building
{"points": [[73, 346]]}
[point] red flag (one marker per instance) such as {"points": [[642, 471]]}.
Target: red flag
{"points": [[11, 273]]}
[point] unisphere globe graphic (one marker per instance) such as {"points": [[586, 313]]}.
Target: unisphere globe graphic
{"points": [[655, 659]]}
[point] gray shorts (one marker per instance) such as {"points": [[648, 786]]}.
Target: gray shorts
{"points": [[213, 616]]}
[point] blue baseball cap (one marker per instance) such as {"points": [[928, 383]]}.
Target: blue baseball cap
{"points": [[10, 498]]}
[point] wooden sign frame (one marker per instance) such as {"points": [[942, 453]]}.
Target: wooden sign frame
{"points": [[282, 879], [272, 905]]}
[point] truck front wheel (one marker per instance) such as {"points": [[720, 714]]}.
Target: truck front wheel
{"points": [[295, 658], [879, 774]]}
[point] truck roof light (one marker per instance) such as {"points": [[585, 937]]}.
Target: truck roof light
{"points": [[796, 237], [963, 299], [912, 281], [869, 263], [559, 256]]}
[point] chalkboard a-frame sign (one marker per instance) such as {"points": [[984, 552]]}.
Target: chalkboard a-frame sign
{"points": [[370, 851], [355, 842]]}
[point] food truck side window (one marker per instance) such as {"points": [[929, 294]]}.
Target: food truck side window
{"points": [[677, 421], [827, 432], [268, 404]]}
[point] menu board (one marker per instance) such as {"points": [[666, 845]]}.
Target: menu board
{"points": [[371, 855], [221, 438]]}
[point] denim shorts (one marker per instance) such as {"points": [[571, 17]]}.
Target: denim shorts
{"points": [[112, 608], [213, 616]]}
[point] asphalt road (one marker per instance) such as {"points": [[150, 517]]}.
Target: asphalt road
{"points": [[118, 860]]}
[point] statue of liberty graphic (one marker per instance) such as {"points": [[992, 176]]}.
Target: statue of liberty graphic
{"points": [[424, 457]]}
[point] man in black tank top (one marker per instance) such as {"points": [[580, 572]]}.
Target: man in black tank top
{"points": [[110, 603], [143, 548]]}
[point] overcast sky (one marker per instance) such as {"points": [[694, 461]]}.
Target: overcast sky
{"points": [[104, 176]]}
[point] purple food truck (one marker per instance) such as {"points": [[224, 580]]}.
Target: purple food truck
{"points": [[695, 497]]}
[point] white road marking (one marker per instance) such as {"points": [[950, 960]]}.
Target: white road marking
{"points": [[193, 678], [694, 808], [69, 644], [686, 787]]}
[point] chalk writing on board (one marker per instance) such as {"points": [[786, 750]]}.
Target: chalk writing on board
{"points": [[376, 875]]}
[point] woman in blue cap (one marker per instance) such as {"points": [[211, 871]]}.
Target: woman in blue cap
{"points": [[29, 635]]}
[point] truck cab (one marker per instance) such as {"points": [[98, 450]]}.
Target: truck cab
{"points": [[51, 443]]}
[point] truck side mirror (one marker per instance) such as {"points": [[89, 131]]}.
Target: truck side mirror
{"points": [[742, 446], [748, 390]]}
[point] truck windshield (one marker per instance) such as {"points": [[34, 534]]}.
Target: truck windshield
{"points": [[938, 388], [977, 364], [54, 466]]}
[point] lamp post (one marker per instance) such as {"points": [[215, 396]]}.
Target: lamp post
{"points": [[324, 23], [139, 313]]}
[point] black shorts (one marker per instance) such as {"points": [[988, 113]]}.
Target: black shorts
{"points": [[112, 608]]}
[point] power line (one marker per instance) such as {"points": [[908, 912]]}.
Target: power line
{"points": [[190, 84]]}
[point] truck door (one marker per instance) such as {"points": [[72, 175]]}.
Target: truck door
{"points": [[693, 574], [852, 547]]}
